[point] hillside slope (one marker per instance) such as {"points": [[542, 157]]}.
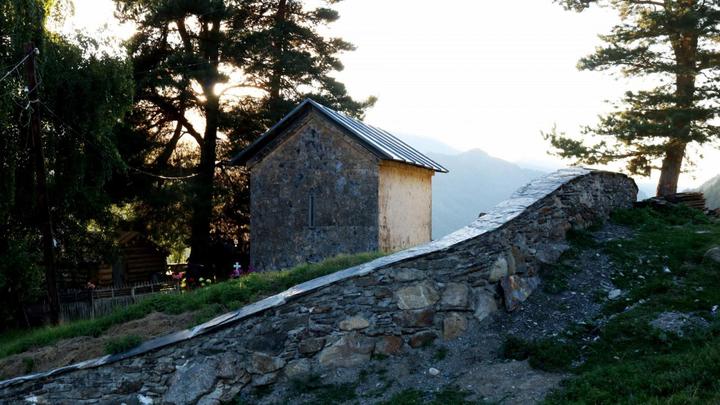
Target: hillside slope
{"points": [[711, 189], [628, 316], [476, 182]]}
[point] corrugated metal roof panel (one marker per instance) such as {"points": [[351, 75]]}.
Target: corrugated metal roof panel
{"points": [[383, 142]]}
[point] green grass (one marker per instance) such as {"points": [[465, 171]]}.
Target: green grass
{"points": [[122, 344], [548, 355], [209, 301], [626, 361]]}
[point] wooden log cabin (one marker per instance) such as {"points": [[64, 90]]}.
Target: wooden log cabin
{"points": [[139, 260]]}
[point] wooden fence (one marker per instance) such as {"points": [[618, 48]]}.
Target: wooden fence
{"points": [[91, 303]]}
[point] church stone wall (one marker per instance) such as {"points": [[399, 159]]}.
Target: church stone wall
{"points": [[405, 206], [313, 196], [390, 306]]}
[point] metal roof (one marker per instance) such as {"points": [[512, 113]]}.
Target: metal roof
{"points": [[383, 143]]}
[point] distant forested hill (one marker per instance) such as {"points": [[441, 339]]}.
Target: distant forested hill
{"points": [[711, 189], [476, 183]]}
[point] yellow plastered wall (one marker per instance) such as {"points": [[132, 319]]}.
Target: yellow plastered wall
{"points": [[404, 205]]}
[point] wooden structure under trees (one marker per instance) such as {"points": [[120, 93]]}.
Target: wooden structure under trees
{"points": [[139, 260]]}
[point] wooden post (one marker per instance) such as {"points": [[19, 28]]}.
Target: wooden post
{"points": [[43, 206]]}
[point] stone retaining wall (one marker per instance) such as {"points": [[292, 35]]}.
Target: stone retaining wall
{"points": [[390, 307]]}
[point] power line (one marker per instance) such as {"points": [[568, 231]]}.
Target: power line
{"points": [[190, 176], [18, 64], [158, 176]]}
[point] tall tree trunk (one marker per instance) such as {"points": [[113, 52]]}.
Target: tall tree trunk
{"points": [[671, 168], [684, 46], [204, 185], [277, 69], [204, 182]]}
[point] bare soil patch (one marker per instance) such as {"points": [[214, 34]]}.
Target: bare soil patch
{"points": [[70, 351]]}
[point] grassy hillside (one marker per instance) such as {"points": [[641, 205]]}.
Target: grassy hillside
{"points": [[659, 342], [205, 302]]}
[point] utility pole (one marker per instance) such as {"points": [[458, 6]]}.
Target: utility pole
{"points": [[42, 204]]}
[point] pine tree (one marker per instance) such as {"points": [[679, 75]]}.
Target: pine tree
{"points": [[674, 44], [184, 51]]}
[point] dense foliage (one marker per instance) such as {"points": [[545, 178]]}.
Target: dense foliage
{"points": [[210, 76], [673, 45], [83, 92], [132, 137]]}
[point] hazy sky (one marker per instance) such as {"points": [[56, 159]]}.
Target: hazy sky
{"points": [[470, 73]]}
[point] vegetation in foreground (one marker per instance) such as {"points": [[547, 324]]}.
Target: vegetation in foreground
{"points": [[626, 360], [209, 301]]}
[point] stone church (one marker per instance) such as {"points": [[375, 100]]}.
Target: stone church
{"points": [[322, 184]]}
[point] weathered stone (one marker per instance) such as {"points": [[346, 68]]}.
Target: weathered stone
{"points": [[455, 296], [407, 274], [229, 367], [518, 259], [382, 293], [129, 386], [485, 305], [388, 345], [713, 255], [262, 380], [261, 363], [212, 398], [498, 270], [454, 325], [415, 319], [614, 294], [298, 369], [678, 323], [350, 351], [271, 343], [417, 296], [422, 339], [190, 382], [354, 323], [574, 198], [309, 346], [517, 289]]}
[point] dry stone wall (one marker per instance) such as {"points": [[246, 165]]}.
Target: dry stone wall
{"points": [[390, 306]]}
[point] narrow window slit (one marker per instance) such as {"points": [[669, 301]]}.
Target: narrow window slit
{"points": [[311, 211]]}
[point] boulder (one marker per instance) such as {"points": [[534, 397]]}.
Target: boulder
{"points": [[485, 305], [299, 369], [354, 323], [310, 346], [415, 319], [499, 270], [262, 380], [417, 296], [454, 325], [190, 382], [388, 345], [517, 289], [261, 363], [350, 350], [455, 296], [422, 339], [713, 255]]}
